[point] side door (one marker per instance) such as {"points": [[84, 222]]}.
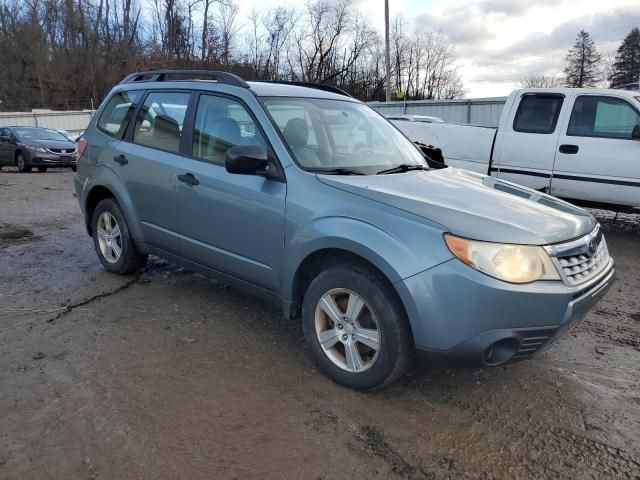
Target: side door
{"points": [[597, 159], [527, 147], [231, 223], [146, 160]]}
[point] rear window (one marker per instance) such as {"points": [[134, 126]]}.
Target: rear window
{"points": [[116, 114], [538, 113]]}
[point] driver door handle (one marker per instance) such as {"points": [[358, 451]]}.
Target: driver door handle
{"points": [[189, 179], [569, 149]]}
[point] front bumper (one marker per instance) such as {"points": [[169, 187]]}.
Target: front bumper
{"points": [[51, 160], [456, 311]]}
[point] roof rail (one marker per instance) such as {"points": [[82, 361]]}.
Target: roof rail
{"points": [[161, 75], [317, 86]]}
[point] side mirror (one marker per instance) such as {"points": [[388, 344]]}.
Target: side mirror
{"points": [[247, 160], [635, 135]]}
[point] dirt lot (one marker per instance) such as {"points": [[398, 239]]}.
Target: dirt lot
{"points": [[169, 375]]}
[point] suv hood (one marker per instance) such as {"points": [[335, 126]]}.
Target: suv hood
{"points": [[474, 206]]}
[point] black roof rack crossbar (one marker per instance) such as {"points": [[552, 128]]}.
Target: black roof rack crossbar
{"points": [[317, 86], [161, 75]]}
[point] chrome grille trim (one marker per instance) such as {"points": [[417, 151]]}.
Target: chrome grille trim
{"points": [[62, 151], [580, 260]]}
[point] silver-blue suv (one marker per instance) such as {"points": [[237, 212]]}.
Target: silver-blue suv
{"points": [[307, 197]]}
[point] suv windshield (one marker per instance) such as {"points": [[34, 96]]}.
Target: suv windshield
{"points": [[26, 133], [340, 137]]}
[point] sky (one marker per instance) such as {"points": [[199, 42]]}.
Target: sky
{"points": [[498, 42]]}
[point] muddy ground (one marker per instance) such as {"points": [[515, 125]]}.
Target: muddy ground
{"points": [[167, 375]]}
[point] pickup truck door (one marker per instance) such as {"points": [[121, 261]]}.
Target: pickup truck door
{"points": [[526, 144], [229, 222], [597, 160]]}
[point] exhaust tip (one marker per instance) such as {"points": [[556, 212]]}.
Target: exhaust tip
{"points": [[500, 352]]}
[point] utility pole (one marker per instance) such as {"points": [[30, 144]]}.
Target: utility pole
{"points": [[386, 49]]}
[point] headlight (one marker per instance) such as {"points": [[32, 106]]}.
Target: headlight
{"points": [[36, 149], [510, 263]]}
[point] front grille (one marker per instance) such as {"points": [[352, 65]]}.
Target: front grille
{"points": [[532, 341], [579, 269], [63, 151], [581, 260]]}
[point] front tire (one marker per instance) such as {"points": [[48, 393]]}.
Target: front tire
{"points": [[356, 328], [74, 168], [42, 169], [22, 164], [112, 240]]}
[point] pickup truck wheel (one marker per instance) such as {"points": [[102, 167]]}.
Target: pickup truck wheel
{"points": [[356, 329], [112, 240]]}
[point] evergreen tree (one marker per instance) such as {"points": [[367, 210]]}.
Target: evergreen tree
{"points": [[583, 63], [626, 68]]}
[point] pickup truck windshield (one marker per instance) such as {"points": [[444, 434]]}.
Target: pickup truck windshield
{"points": [[340, 137]]}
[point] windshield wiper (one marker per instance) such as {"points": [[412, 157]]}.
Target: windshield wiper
{"points": [[337, 171], [404, 167]]}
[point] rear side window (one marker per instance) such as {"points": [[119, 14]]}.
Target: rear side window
{"points": [[115, 116], [538, 113], [602, 117], [160, 120]]}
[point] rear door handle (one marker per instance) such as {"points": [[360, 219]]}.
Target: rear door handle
{"points": [[121, 159], [189, 179], [569, 149]]}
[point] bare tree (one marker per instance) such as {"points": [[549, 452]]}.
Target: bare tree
{"points": [[68, 53], [540, 81]]}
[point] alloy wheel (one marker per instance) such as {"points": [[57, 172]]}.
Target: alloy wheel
{"points": [[109, 237], [347, 330]]}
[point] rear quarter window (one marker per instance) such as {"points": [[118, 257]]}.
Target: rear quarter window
{"points": [[116, 114], [538, 113]]}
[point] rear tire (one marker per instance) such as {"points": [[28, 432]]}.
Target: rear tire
{"points": [[22, 164], [74, 169], [380, 322], [112, 240], [42, 169]]}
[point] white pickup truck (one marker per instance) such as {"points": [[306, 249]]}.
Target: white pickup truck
{"points": [[579, 144]]}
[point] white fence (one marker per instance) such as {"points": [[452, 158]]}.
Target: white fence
{"points": [[483, 112], [71, 121]]}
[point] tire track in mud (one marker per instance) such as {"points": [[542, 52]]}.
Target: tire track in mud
{"points": [[542, 449], [375, 442], [618, 334], [372, 442]]}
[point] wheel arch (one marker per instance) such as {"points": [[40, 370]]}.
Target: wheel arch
{"points": [[95, 195], [102, 187], [318, 261]]}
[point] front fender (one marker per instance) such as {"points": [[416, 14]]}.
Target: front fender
{"points": [[394, 255], [102, 176]]}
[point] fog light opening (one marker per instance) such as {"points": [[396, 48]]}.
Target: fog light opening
{"points": [[500, 352]]}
